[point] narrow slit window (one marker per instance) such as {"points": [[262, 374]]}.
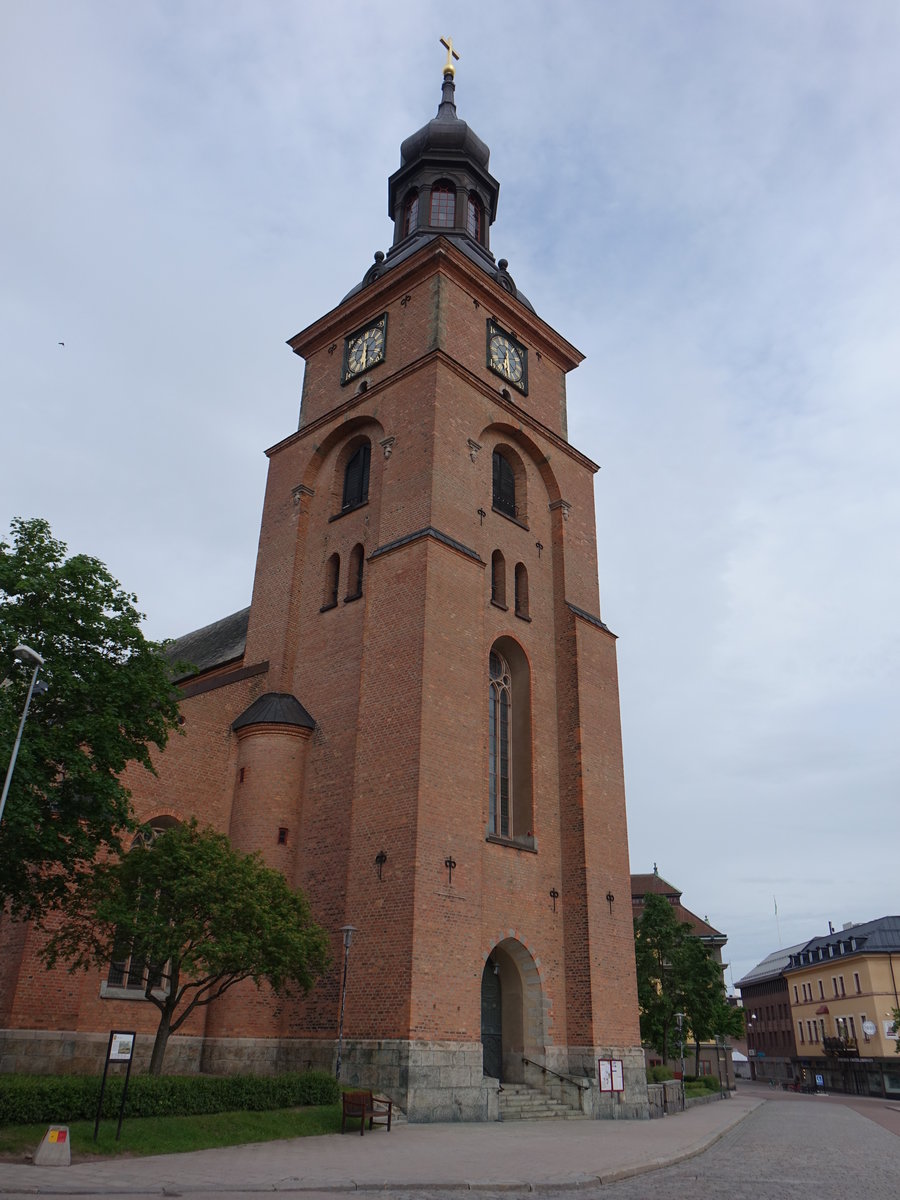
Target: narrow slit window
{"points": [[355, 573], [521, 590], [498, 578], [332, 575]]}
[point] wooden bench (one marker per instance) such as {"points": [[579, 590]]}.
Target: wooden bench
{"points": [[362, 1106]]}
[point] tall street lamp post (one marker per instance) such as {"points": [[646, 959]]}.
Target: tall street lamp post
{"points": [[679, 1021], [26, 655], [348, 932]]}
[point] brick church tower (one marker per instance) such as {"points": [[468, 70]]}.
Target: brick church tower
{"points": [[417, 719]]}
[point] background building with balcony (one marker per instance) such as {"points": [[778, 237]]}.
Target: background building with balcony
{"points": [[841, 991]]}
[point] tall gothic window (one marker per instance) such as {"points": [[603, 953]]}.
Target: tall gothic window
{"points": [[130, 967], [411, 213], [443, 205], [356, 478], [500, 747]]}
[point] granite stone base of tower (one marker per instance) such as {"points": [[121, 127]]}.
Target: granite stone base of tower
{"points": [[428, 1081]]}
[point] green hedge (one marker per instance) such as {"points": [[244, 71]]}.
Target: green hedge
{"points": [[659, 1074], [60, 1099]]}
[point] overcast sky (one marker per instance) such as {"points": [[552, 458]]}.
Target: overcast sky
{"points": [[704, 197]]}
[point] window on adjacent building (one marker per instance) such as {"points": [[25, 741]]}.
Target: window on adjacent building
{"points": [[443, 205], [796, 995], [856, 983], [841, 982], [800, 1028], [821, 990]]}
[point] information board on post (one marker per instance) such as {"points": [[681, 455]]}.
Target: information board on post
{"points": [[612, 1074], [119, 1049]]}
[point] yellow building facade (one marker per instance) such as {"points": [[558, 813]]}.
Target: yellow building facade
{"points": [[843, 990]]}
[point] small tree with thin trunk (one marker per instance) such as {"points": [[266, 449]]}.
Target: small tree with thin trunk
{"points": [[189, 916]]}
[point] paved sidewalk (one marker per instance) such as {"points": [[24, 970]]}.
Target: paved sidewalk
{"points": [[515, 1155]]}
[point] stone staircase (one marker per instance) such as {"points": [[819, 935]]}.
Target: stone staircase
{"points": [[521, 1103]]}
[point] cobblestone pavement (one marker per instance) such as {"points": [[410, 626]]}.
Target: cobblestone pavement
{"points": [[812, 1150], [759, 1145]]}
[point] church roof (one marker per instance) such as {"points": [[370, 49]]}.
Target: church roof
{"points": [[212, 646]]}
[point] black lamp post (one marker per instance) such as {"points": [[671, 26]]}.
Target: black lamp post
{"points": [[348, 932]]}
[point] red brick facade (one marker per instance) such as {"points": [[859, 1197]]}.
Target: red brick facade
{"points": [[396, 680]]}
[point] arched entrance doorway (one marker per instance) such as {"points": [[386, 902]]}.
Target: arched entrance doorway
{"points": [[512, 1022]]}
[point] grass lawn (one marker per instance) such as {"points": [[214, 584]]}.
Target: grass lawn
{"points": [[174, 1135]]}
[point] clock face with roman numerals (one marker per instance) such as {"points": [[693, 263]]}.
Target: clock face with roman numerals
{"points": [[364, 349], [507, 357]]}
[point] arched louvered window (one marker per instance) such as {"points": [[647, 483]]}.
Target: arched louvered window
{"points": [[498, 578], [443, 205], [411, 213], [521, 590], [332, 575], [355, 573], [474, 213], [356, 478], [504, 486], [500, 747]]}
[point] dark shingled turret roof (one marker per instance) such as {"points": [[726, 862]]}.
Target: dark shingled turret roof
{"points": [[275, 708]]}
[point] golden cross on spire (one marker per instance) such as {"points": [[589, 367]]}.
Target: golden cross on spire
{"points": [[449, 68]]}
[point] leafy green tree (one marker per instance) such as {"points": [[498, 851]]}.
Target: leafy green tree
{"points": [[896, 1015], [109, 699], [676, 974], [194, 917]]}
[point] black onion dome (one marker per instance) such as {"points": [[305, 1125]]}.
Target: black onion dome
{"points": [[443, 156], [446, 133]]}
